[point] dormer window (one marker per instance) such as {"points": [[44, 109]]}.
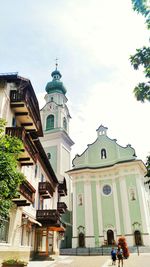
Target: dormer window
{"points": [[103, 153], [56, 77]]}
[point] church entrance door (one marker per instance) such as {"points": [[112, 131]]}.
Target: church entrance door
{"points": [[110, 237], [138, 238], [81, 240]]}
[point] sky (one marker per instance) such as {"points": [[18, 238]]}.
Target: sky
{"points": [[93, 40]]}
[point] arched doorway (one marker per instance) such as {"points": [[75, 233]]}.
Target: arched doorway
{"points": [[81, 240], [110, 237], [138, 238]]}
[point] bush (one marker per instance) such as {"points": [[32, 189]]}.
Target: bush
{"points": [[122, 242], [14, 262]]}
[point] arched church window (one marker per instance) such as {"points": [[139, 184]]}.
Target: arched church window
{"points": [[103, 153], [65, 123], [50, 122]]}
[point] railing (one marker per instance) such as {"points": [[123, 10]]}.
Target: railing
{"points": [[28, 191], [62, 190], [20, 133], [16, 96], [86, 251], [50, 216], [103, 250], [24, 96], [45, 188]]}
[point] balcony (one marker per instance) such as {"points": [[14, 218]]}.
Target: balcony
{"points": [[29, 154], [48, 217], [27, 195], [62, 188], [26, 109], [28, 191], [61, 207], [45, 190]]}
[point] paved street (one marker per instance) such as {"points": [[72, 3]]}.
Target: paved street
{"points": [[143, 260]]}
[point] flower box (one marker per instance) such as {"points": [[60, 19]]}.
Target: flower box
{"points": [[14, 263]]}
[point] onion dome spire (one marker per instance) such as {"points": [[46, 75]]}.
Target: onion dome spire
{"points": [[55, 85]]}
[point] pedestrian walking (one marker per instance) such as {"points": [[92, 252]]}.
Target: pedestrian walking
{"points": [[113, 256], [120, 256]]}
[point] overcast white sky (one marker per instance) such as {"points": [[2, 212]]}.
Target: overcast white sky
{"points": [[93, 40]]}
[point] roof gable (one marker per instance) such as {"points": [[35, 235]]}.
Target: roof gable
{"points": [[103, 152]]}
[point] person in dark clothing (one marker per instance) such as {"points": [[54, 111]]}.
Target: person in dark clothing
{"points": [[120, 256], [113, 256]]}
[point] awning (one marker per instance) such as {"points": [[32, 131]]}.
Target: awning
{"points": [[34, 221], [57, 228]]}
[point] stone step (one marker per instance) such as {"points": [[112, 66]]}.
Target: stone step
{"points": [[42, 258]]}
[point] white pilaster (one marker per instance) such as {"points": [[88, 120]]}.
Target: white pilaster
{"points": [[116, 208], [74, 210], [99, 209], [125, 206], [88, 209], [143, 208]]}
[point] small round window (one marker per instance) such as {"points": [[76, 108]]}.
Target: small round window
{"points": [[107, 189]]}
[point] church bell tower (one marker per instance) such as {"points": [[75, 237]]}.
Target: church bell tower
{"points": [[55, 118]]}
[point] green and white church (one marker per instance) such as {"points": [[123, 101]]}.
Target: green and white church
{"points": [[109, 196]]}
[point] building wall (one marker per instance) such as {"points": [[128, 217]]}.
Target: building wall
{"points": [[60, 159], [117, 211], [21, 236]]}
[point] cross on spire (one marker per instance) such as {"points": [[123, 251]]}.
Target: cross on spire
{"points": [[56, 62]]}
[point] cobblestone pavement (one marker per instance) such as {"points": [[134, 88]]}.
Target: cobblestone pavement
{"points": [[143, 260]]}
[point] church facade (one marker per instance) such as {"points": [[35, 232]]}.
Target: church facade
{"points": [[109, 196]]}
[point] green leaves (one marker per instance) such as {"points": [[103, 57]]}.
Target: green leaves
{"points": [[148, 166], [141, 6], [10, 176], [142, 56], [142, 92]]}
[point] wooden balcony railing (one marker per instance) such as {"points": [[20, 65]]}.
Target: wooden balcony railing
{"points": [[45, 189], [61, 207], [26, 139], [62, 188], [49, 217], [20, 99], [28, 191]]}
